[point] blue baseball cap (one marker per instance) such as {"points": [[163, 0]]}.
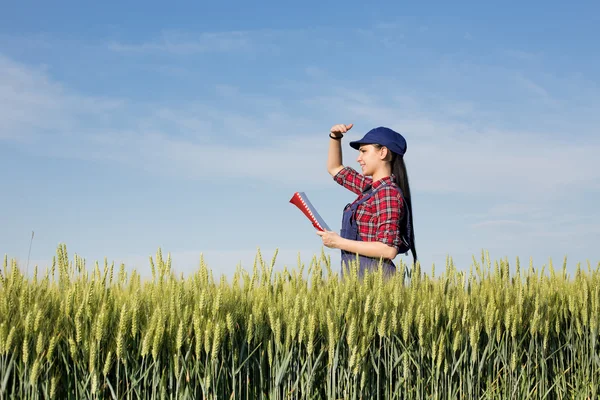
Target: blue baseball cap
{"points": [[385, 137]]}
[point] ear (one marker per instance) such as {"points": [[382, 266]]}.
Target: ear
{"points": [[384, 153]]}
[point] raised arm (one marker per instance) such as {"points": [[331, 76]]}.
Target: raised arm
{"points": [[334, 158]]}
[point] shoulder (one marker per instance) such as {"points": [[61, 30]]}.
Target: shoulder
{"points": [[389, 191], [389, 196], [352, 179]]}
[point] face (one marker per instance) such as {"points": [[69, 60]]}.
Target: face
{"points": [[370, 158]]}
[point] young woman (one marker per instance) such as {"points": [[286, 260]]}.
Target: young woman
{"points": [[378, 224]]}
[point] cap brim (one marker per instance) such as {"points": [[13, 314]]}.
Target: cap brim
{"points": [[357, 143]]}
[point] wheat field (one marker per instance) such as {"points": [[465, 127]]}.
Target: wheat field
{"points": [[492, 330]]}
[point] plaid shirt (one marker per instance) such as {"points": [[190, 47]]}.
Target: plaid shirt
{"points": [[379, 218]]}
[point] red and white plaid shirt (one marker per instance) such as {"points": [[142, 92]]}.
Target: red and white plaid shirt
{"points": [[379, 218]]}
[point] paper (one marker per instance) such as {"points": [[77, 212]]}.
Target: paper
{"points": [[300, 200]]}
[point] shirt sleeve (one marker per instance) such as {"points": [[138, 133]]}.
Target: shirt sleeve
{"points": [[352, 180], [390, 211]]}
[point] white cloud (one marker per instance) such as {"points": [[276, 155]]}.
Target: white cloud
{"points": [[508, 163], [315, 72], [540, 92], [283, 162], [32, 105], [499, 224], [282, 144], [514, 208], [449, 155], [179, 43], [521, 55]]}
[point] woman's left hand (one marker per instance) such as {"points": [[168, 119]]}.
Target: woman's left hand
{"points": [[330, 239]]}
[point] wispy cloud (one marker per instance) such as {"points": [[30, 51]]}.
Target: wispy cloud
{"points": [[315, 72], [535, 88], [387, 36], [444, 155], [499, 224], [33, 106], [449, 155], [522, 55], [62, 123], [525, 167], [514, 208], [185, 44]]}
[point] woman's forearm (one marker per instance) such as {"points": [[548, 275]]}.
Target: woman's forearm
{"points": [[334, 158], [369, 249]]}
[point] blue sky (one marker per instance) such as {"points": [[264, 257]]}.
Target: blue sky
{"points": [[129, 127]]}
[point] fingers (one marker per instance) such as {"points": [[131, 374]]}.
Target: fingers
{"points": [[341, 128], [324, 232], [337, 129]]}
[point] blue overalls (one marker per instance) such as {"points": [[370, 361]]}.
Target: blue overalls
{"points": [[350, 231]]}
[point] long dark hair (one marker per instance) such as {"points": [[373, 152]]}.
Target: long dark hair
{"points": [[401, 179]]}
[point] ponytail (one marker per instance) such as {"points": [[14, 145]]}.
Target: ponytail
{"points": [[401, 179]]}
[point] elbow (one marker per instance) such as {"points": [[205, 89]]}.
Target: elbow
{"points": [[392, 253], [333, 171], [389, 252]]}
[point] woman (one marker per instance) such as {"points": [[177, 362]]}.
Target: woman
{"points": [[378, 224]]}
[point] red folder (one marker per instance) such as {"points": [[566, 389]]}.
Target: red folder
{"points": [[300, 200]]}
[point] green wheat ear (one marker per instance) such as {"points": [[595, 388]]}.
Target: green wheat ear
{"points": [[281, 333]]}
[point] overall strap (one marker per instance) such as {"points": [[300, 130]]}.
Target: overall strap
{"points": [[407, 219], [372, 192]]}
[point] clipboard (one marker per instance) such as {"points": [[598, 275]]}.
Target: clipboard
{"points": [[300, 200]]}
